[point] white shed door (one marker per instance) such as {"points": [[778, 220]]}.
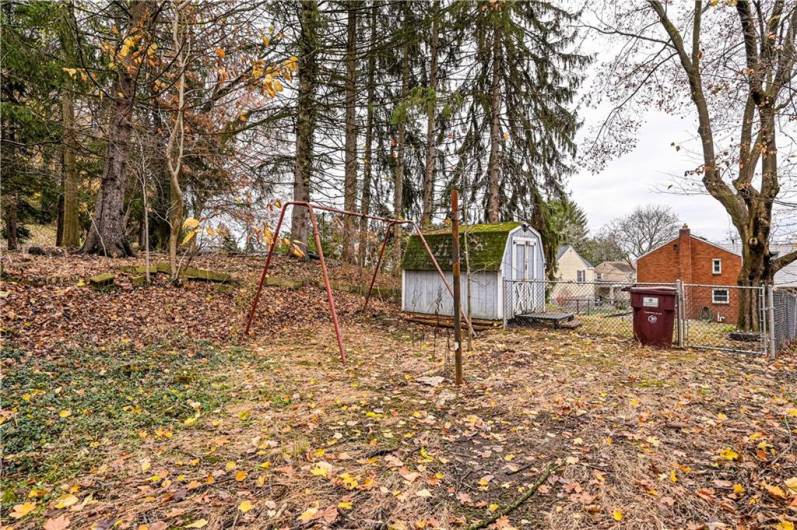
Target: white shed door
{"points": [[523, 272]]}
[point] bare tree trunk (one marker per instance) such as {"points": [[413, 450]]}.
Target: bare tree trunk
{"points": [[398, 197], [493, 176], [306, 115], [427, 210], [350, 180], [107, 233], [11, 221], [365, 205], [175, 147], [70, 234]]}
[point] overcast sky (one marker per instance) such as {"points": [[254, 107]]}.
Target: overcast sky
{"points": [[639, 177]]}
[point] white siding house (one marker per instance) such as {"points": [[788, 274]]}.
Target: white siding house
{"points": [[497, 252]]}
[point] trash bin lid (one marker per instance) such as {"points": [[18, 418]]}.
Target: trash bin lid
{"points": [[654, 289]]}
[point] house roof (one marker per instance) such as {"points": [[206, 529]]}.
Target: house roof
{"points": [[486, 244], [620, 266], [564, 248], [726, 248]]}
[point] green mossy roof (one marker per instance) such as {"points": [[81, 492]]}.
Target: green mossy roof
{"points": [[486, 244]]}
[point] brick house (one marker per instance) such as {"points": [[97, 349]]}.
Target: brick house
{"points": [[695, 260]]}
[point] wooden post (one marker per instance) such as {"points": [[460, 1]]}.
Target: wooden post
{"points": [[457, 287]]}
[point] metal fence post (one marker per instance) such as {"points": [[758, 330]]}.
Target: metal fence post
{"points": [[771, 320], [679, 289]]}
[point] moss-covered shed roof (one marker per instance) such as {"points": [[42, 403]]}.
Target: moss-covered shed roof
{"points": [[486, 244]]}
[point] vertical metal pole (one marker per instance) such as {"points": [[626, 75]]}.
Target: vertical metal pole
{"points": [[771, 320], [679, 313], [274, 239], [378, 264], [325, 275], [457, 286], [440, 272]]}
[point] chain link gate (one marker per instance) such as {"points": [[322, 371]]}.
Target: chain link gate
{"points": [[710, 317], [706, 315]]}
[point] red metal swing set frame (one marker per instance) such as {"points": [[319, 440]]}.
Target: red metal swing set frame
{"points": [[311, 208]]}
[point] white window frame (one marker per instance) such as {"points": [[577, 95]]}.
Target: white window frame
{"points": [[581, 276], [720, 302], [716, 266]]}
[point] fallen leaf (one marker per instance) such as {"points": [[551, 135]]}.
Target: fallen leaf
{"points": [[344, 505], [308, 515], [617, 515], [21, 510], [65, 501], [199, 523], [57, 523], [245, 506], [729, 454]]}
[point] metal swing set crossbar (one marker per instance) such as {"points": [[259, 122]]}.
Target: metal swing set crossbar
{"points": [[311, 208]]}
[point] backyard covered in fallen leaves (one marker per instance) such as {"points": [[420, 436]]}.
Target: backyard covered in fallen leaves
{"points": [[144, 408]]}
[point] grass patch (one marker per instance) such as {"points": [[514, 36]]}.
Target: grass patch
{"points": [[66, 412]]}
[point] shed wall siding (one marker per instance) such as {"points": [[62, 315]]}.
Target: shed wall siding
{"points": [[425, 293]]}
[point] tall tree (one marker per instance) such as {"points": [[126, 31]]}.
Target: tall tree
{"points": [[107, 234], [308, 45], [644, 229], [350, 179], [427, 209], [731, 66], [368, 154], [524, 56], [70, 232]]}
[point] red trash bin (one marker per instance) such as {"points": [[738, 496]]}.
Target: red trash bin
{"points": [[654, 315]]}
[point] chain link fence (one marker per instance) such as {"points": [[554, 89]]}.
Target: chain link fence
{"points": [[784, 322], [600, 308], [718, 317]]}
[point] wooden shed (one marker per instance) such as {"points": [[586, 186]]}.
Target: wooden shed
{"points": [[497, 252]]}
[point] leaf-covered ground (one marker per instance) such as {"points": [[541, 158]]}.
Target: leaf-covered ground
{"points": [[177, 429]]}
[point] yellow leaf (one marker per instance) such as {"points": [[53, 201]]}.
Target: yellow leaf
{"points": [[188, 237], [493, 507], [791, 483], [775, 491], [245, 506], [308, 515], [190, 223], [266, 40], [70, 71], [296, 251], [635, 402], [344, 505], [617, 515], [738, 488], [240, 475], [349, 482], [321, 469], [199, 523], [65, 413], [784, 525], [189, 421], [673, 476], [229, 466], [729, 454], [21, 510], [65, 501], [244, 415], [792, 412]]}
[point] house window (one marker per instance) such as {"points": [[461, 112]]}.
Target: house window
{"points": [[581, 276], [716, 266], [720, 296]]}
